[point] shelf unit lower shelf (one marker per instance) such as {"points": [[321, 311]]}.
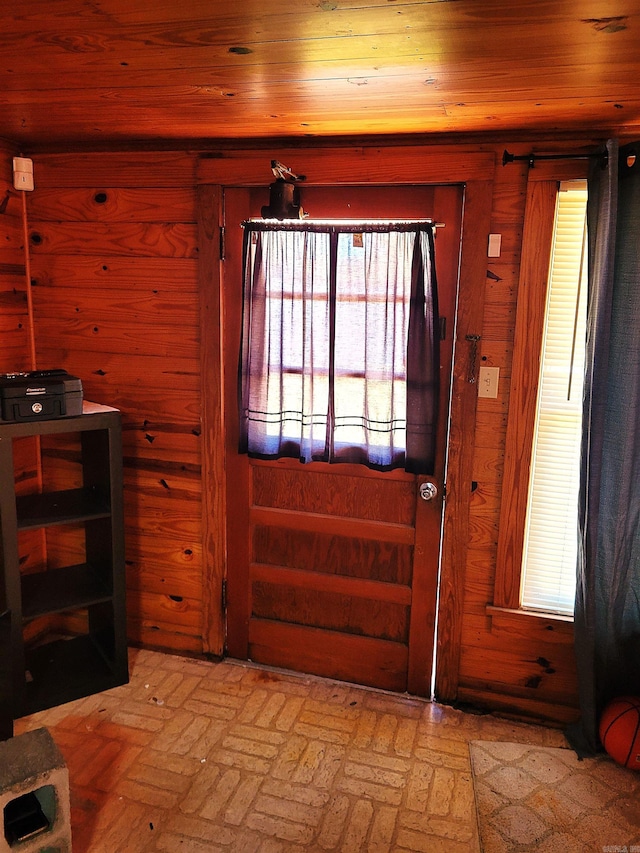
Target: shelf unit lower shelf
{"points": [[57, 590], [62, 507]]}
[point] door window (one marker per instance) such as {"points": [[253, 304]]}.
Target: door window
{"points": [[339, 356]]}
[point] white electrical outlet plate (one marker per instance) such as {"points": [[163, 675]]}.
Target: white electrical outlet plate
{"points": [[488, 382]]}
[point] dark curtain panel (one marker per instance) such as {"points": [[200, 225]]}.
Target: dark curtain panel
{"points": [[423, 358], [340, 351], [607, 614]]}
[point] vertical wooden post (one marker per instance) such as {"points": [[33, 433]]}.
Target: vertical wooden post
{"points": [[209, 209], [473, 266]]}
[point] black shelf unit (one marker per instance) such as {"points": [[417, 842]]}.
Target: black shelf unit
{"points": [[37, 676]]}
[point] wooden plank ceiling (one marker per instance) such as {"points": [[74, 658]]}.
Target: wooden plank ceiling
{"points": [[77, 72]]}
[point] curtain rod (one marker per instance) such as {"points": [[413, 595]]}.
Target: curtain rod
{"points": [[349, 226], [507, 157]]}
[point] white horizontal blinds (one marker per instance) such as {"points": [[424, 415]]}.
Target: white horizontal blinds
{"points": [[550, 547]]}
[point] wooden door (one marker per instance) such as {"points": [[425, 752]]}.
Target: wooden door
{"points": [[333, 569]]}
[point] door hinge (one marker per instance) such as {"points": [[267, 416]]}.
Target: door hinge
{"points": [[224, 596], [222, 244]]}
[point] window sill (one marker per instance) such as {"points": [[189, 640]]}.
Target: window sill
{"points": [[492, 610], [550, 627]]}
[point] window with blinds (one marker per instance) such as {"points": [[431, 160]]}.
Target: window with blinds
{"points": [[550, 545]]}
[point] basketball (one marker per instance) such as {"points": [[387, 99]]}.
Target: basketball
{"points": [[620, 731]]}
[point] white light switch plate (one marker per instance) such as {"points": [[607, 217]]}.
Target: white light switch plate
{"points": [[495, 243], [488, 382]]}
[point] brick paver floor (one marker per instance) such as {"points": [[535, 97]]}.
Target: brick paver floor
{"points": [[193, 756]]}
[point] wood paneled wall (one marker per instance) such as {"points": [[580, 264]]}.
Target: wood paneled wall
{"points": [[114, 256], [113, 248], [510, 661]]}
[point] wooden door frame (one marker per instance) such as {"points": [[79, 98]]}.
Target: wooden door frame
{"points": [[334, 167]]}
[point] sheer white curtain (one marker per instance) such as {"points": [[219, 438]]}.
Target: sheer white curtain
{"points": [[339, 356]]}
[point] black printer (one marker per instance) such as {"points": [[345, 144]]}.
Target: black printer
{"points": [[39, 395]]}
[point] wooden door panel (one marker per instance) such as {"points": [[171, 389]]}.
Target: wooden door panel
{"points": [[334, 490], [332, 569], [330, 553], [281, 599], [346, 657]]}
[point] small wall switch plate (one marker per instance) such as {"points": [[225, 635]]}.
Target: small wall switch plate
{"points": [[495, 241], [488, 382], [23, 173]]}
